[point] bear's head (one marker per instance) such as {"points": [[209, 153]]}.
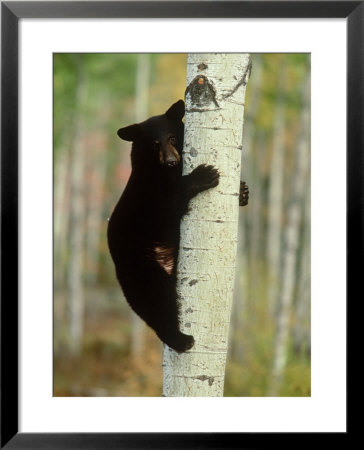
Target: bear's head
{"points": [[159, 140]]}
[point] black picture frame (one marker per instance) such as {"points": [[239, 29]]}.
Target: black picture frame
{"points": [[11, 12]]}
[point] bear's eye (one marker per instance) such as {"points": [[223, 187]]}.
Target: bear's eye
{"points": [[172, 140], [156, 145]]}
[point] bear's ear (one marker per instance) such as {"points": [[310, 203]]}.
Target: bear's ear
{"points": [[176, 111], [129, 133]]}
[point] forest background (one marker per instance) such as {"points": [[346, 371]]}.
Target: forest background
{"points": [[101, 348]]}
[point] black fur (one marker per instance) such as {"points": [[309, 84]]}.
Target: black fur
{"points": [[144, 228]]}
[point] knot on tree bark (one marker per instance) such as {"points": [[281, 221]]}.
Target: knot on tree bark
{"points": [[201, 95]]}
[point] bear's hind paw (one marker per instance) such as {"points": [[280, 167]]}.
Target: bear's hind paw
{"points": [[180, 342]]}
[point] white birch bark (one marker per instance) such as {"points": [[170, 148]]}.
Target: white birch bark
{"points": [[292, 236], [215, 96]]}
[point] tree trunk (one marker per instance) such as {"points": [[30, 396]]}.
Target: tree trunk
{"points": [[141, 113], [292, 237], [256, 228], [215, 95], [302, 329], [78, 211], [96, 165], [275, 198], [61, 200], [242, 283]]}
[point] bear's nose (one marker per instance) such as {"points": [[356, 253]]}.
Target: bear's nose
{"points": [[171, 162]]}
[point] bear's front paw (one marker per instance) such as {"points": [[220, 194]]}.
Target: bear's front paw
{"points": [[205, 177], [244, 194]]}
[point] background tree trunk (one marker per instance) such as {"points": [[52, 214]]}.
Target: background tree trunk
{"points": [[62, 214], [242, 281], [292, 238], [141, 113], [78, 211], [302, 329], [215, 94], [96, 171], [275, 197]]}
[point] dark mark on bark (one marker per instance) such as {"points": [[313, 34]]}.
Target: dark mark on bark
{"points": [[234, 194], [213, 128], [202, 66], [187, 325], [193, 152], [250, 66], [202, 94], [189, 310], [218, 221], [184, 279], [192, 282], [200, 110], [206, 378], [199, 248], [243, 81]]}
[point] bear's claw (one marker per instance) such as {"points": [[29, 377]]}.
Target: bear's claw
{"points": [[244, 194]]}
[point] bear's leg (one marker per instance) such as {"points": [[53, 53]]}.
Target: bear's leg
{"points": [[244, 194], [152, 295]]}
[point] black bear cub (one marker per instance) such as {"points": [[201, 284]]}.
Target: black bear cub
{"points": [[144, 228]]}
